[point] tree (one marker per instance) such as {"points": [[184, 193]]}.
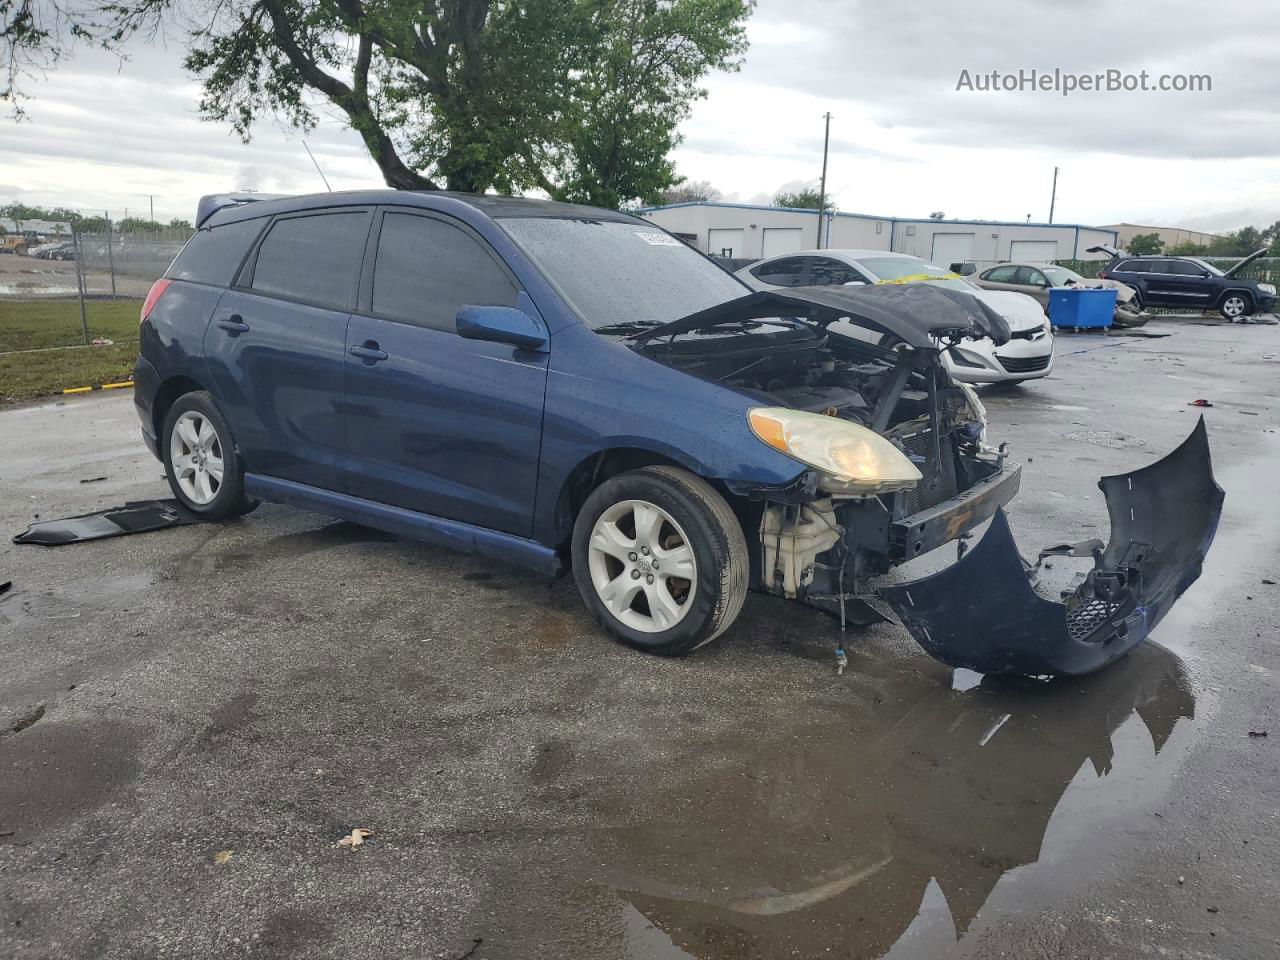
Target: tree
{"points": [[1145, 244], [806, 198], [634, 83], [581, 98], [690, 191], [1271, 237], [1248, 239]]}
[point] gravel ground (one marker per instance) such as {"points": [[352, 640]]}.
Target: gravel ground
{"points": [[191, 719]]}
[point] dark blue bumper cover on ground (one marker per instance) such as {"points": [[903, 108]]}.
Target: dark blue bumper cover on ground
{"points": [[983, 613]]}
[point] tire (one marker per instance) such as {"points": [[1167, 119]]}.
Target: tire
{"points": [[1236, 306], [196, 435], [696, 524]]}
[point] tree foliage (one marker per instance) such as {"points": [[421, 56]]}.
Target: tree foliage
{"points": [[805, 199], [1145, 244], [581, 98], [690, 191]]}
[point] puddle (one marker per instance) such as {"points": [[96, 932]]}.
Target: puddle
{"points": [[893, 819]]}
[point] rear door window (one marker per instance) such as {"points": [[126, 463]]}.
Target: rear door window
{"points": [[1001, 275], [426, 269], [787, 272], [313, 258], [826, 272], [214, 254]]}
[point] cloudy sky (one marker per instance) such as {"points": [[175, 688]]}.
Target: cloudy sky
{"points": [[904, 140]]}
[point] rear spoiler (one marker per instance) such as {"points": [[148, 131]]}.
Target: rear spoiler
{"points": [[211, 204]]}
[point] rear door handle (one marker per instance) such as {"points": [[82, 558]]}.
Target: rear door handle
{"points": [[368, 351], [234, 324]]}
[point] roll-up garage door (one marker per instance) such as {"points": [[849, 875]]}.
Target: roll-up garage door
{"points": [[727, 243]]}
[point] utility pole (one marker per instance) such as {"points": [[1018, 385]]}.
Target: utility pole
{"points": [[152, 197], [822, 189], [1053, 197]]}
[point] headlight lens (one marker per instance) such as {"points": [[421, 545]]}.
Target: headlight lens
{"points": [[851, 458], [1267, 288]]}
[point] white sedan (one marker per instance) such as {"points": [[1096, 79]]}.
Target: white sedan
{"points": [[1027, 356]]}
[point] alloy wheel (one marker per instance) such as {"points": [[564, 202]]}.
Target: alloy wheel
{"points": [[195, 451], [1234, 307], [642, 566]]}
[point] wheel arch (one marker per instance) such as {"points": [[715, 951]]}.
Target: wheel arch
{"points": [[166, 396], [1243, 291], [596, 468]]}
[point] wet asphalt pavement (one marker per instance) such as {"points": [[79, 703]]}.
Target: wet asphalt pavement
{"points": [[205, 711]]}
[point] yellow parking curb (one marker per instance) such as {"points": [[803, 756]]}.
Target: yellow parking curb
{"points": [[103, 386]]}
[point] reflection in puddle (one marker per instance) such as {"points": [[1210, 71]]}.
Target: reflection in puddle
{"points": [[894, 819]]}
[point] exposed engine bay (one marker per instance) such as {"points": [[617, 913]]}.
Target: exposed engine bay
{"points": [[904, 395]]}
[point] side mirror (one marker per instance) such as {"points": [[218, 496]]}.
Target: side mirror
{"points": [[502, 325]]}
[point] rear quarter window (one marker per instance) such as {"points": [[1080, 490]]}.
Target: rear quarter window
{"points": [[214, 254]]}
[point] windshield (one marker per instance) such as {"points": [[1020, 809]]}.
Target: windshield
{"points": [[915, 270], [616, 275], [1061, 276]]}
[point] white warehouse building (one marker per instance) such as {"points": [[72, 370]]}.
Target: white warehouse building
{"points": [[749, 231]]}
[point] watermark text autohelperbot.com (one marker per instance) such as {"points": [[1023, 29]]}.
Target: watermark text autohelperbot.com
{"points": [[1066, 83]]}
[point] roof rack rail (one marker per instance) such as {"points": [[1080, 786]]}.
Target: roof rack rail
{"points": [[211, 204]]}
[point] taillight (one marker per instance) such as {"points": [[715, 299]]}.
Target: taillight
{"points": [[157, 290]]}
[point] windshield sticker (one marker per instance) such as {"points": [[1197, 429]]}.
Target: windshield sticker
{"points": [[658, 239]]}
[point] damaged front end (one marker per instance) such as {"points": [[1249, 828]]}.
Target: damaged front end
{"points": [[984, 614], [900, 465]]}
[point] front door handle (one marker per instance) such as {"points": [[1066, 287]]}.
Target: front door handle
{"points": [[368, 351], [234, 324]]}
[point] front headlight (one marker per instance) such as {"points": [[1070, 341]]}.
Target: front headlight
{"points": [[851, 458], [1267, 288]]}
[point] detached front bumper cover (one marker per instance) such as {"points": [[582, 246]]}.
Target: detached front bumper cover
{"points": [[983, 613]]}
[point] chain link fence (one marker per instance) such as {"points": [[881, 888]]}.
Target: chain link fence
{"points": [[70, 301]]}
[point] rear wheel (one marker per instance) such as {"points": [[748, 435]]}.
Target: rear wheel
{"points": [[201, 461], [660, 560], [1236, 306]]}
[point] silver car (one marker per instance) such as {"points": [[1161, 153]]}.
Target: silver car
{"points": [[1027, 356]]}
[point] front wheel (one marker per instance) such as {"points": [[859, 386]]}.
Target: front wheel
{"points": [[660, 560], [201, 461], [1236, 306]]}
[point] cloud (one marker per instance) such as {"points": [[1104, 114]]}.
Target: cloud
{"points": [[905, 65]]}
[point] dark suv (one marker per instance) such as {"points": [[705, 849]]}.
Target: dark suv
{"points": [[571, 388], [1190, 282]]}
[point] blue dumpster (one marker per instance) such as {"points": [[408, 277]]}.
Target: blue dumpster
{"points": [[1070, 307]]}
